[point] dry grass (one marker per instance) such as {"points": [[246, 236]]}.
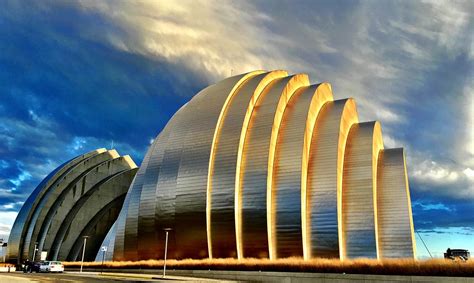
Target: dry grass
{"points": [[2, 264], [433, 267]]}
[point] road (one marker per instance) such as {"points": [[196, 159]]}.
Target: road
{"points": [[92, 277]]}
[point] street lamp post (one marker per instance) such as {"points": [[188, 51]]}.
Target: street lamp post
{"points": [[166, 250], [104, 250], [34, 252], [83, 250]]}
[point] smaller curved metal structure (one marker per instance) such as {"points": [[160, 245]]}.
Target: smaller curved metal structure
{"points": [[82, 197]]}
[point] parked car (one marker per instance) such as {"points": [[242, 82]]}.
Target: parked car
{"points": [[35, 267], [51, 266]]}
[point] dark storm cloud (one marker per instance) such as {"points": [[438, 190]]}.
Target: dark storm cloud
{"points": [[62, 94]]}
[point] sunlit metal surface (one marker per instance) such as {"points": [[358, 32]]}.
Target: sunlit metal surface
{"points": [[257, 165], [223, 163], [359, 199], [324, 183], [259, 90], [284, 186], [395, 225], [322, 95], [219, 178]]}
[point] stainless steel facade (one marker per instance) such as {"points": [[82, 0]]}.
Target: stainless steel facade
{"points": [[261, 164], [91, 186]]}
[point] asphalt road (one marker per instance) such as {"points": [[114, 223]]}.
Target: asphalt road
{"points": [[89, 277]]}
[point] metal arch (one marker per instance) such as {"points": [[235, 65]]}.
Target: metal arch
{"points": [[295, 82], [294, 143], [223, 164], [359, 206], [69, 200], [49, 202], [182, 184], [23, 219], [322, 94], [96, 229], [49, 197], [145, 235], [259, 89], [106, 191], [216, 143], [324, 178], [395, 225]]}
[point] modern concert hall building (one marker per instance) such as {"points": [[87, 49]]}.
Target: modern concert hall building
{"points": [[261, 165]]}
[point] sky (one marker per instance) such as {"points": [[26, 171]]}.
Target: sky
{"points": [[85, 74]]}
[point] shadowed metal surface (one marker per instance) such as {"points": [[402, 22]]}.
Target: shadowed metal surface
{"points": [[223, 162], [58, 198], [324, 183], [43, 211], [74, 196], [395, 225], [23, 219], [147, 241], [96, 230], [112, 188], [109, 243], [359, 199]]}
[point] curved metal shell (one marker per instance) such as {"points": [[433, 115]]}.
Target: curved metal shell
{"points": [[258, 165], [107, 191], [283, 237], [223, 164], [395, 224], [359, 195], [51, 199], [324, 181], [62, 212], [23, 219], [56, 200]]}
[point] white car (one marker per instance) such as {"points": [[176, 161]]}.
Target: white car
{"points": [[51, 266]]}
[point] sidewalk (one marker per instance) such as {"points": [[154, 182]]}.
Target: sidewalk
{"points": [[120, 275]]}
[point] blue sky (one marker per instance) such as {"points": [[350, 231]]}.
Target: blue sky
{"points": [[77, 75]]}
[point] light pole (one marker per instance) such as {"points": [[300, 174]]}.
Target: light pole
{"points": [[83, 250], [166, 250], [104, 250], [34, 252]]}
